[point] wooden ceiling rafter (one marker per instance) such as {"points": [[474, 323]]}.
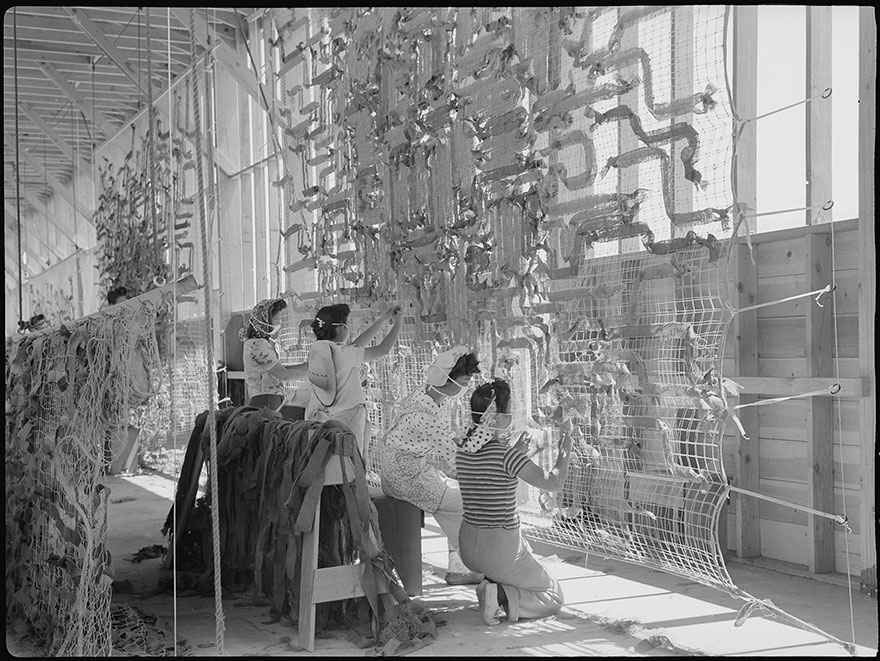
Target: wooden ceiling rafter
{"points": [[107, 47], [67, 149], [11, 213], [36, 208], [77, 98], [76, 77], [53, 182]]}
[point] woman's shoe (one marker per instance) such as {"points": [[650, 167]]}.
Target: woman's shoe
{"points": [[487, 597]]}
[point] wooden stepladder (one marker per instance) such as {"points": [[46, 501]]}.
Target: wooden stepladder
{"points": [[318, 586]]}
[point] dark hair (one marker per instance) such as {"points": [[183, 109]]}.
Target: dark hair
{"points": [[36, 322], [275, 308], [114, 294], [482, 397], [465, 366], [328, 319]]}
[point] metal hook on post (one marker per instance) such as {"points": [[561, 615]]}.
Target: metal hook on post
{"points": [[830, 288]]}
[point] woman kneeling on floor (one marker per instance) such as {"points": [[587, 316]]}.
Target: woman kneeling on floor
{"points": [[490, 541]]}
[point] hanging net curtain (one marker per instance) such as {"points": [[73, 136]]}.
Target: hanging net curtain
{"points": [[551, 187]]}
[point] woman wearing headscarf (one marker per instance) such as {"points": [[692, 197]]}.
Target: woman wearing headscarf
{"points": [[489, 470], [264, 374], [417, 430], [334, 367]]}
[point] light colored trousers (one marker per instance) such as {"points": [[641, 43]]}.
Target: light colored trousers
{"points": [[501, 555], [421, 485]]}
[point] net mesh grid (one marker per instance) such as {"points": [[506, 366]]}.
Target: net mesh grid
{"points": [[581, 251], [73, 389]]}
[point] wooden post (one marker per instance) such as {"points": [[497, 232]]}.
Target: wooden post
{"points": [[748, 512], [867, 293], [820, 428], [818, 113], [818, 273], [745, 74]]}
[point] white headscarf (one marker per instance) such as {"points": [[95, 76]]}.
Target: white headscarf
{"points": [[438, 372]]}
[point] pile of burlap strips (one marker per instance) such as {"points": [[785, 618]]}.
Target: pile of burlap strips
{"points": [[270, 479]]}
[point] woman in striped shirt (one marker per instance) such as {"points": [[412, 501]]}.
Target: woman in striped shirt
{"points": [[490, 542]]}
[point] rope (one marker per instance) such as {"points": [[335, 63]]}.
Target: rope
{"points": [[832, 390], [151, 145], [738, 127], [817, 293], [211, 84], [773, 610], [840, 433], [824, 95], [172, 254], [825, 207], [76, 245], [209, 338], [841, 519], [17, 175], [282, 166]]}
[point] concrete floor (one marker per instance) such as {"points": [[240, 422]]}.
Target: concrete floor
{"points": [[613, 608]]}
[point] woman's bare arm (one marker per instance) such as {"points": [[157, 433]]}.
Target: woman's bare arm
{"points": [[553, 479]]}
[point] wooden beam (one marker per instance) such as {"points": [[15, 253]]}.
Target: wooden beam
{"points": [[12, 257], [37, 207], [247, 79], [95, 33], [201, 25], [745, 95], [55, 76], [745, 328], [820, 425], [745, 324], [11, 212], [10, 274], [818, 113], [867, 293], [818, 269], [51, 180], [62, 144], [232, 62]]}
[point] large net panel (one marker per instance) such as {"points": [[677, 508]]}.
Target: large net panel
{"points": [[98, 394], [166, 419], [68, 392], [550, 186]]}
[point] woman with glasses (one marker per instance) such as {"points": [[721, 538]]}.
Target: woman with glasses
{"points": [[419, 429], [335, 367]]}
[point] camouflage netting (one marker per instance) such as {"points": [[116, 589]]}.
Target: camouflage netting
{"points": [[67, 392], [552, 187]]}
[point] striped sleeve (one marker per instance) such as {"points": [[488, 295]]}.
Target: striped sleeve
{"points": [[514, 461]]}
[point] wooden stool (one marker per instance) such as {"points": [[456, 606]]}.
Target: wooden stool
{"points": [[318, 586]]}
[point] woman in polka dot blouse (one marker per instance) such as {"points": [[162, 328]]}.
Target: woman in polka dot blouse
{"points": [[417, 430]]}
